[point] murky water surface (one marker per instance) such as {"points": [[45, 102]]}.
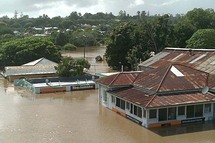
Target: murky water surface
{"points": [[76, 117]]}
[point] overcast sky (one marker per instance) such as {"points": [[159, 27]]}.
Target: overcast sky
{"points": [[35, 8]]}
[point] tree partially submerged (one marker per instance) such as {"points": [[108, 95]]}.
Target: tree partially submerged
{"points": [[203, 38], [72, 67]]}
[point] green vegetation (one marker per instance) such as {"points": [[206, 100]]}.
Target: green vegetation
{"points": [[129, 39], [72, 67], [69, 47], [23, 50], [203, 38]]}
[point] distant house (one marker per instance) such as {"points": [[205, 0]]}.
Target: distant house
{"points": [[171, 94], [35, 69], [201, 59]]}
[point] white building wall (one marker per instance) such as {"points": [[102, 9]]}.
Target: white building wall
{"points": [[36, 90], [68, 88]]}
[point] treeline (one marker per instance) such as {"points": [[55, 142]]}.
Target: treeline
{"points": [[133, 42], [129, 39]]}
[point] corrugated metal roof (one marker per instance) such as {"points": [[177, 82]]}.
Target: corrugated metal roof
{"points": [[136, 96], [202, 59], [164, 79], [39, 62], [28, 70], [123, 78], [40, 66], [163, 86], [142, 98], [178, 99]]}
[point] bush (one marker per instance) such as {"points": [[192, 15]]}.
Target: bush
{"points": [[69, 47]]}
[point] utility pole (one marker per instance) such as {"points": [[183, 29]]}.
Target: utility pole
{"points": [[85, 38]]}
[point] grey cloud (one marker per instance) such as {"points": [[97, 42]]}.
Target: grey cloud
{"points": [[114, 6]]}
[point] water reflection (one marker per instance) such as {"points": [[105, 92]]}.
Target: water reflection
{"points": [[184, 129]]}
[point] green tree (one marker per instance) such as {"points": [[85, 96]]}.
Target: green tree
{"points": [[127, 45], [201, 19], [203, 38], [183, 30], [61, 39], [20, 51], [72, 67]]}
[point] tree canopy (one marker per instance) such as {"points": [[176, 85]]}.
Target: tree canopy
{"points": [[203, 38], [23, 50], [72, 67]]}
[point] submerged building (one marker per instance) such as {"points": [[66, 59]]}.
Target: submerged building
{"points": [[171, 94], [36, 69]]}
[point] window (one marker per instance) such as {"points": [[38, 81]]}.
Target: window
{"points": [[120, 103], [181, 110], [190, 111], [112, 99], [172, 113], [131, 110], [152, 113], [198, 110], [135, 110], [117, 102], [207, 108], [139, 113], [163, 114], [127, 105], [144, 113], [105, 96]]}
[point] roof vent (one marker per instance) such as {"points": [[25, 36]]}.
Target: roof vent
{"points": [[191, 52]]}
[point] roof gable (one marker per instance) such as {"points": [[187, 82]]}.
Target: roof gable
{"points": [[42, 61]]}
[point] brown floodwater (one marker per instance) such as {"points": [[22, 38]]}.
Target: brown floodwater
{"points": [[76, 117], [90, 54]]}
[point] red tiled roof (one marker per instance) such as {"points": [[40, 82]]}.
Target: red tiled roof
{"points": [[123, 78]]}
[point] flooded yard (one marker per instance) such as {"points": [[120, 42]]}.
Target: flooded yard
{"points": [[76, 117]]}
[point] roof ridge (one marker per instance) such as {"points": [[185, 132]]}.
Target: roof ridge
{"points": [[151, 100], [164, 77], [115, 78], [159, 85], [39, 60], [137, 77]]}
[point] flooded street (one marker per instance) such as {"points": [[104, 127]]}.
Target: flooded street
{"points": [[91, 53], [76, 117]]}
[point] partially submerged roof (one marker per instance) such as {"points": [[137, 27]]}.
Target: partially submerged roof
{"points": [[40, 66], [40, 62], [142, 98], [202, 59], [168, 85]]}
